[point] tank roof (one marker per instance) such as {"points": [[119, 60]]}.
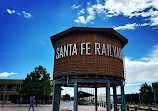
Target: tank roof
{"points": [[90, 29]]}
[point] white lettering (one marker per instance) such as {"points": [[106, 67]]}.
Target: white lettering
{"points": [[108, 49], [97, 48], [104, 50], [66, 50], [87, 48], [82, 48], [74, 51], [114, 50], [61, 51], [57, 51], [117, 53], [110, 52], [120, 53], [70, 49]]}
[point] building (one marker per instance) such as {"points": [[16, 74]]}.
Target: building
{"points": [[129, 98], [11, 94], [132, 98]]}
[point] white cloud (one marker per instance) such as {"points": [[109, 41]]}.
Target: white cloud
{"points": [[80, 19], [67, 90], [6, 74], [89, 18], [26, 14], [130, 26], [10, 11], [131, 8], [154, 21], [99, 8], [144, 24], [77, 21], [88, 3], [147, 9], [143, 70], [135, 84], [81, 12], [145, 59], [18, 13], [127, 26], [75, 6]]}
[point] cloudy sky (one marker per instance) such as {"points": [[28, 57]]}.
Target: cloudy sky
{"points": [[26, 27]]}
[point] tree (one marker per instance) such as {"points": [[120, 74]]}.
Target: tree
{"points": [[37, 84], [72, 98], [66, 97], [146, 93]]}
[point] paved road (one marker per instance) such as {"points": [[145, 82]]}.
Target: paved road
{"points": [[64, 105], [69, 105], [24, 107]]}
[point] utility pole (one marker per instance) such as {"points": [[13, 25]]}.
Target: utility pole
{"points": [[5, 88]]}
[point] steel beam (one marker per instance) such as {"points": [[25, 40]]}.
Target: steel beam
{"points": [[96, 106], [56, 97], [75, 96], [115, 98], [108, 102], [123, 96], [90, 80]]}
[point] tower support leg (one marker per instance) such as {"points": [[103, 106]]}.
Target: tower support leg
{"points": [[56, 97], [76, 97], [96, 106], [115, 98], [108, 105], [123, 96]]}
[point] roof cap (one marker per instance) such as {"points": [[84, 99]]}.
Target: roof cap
{"points": [[90, 29]]}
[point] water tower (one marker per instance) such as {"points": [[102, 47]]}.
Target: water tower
{"points": [[88, 57]]}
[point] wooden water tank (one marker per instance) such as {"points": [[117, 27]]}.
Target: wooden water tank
{"points": [[88, 51]]}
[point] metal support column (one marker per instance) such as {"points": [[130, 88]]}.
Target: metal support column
{"points": [[4, 93], [123, 96], [115, 98], [96, 106], [75, 97], [56, 97], [108, 102]]}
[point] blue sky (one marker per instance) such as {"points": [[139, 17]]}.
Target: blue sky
{"points": [[26, 27]]}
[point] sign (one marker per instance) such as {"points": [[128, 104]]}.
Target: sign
{"points": [[102, 50]]}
